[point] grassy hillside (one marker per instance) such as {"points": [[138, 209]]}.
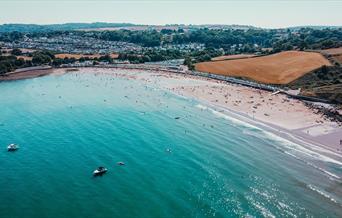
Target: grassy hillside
{"points": [[325, 82]]}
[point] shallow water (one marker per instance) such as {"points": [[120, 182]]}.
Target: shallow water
{"points": [[68, 125]]}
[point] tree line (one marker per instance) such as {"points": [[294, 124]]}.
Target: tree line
{"points": [[10, 62], [278, 39]]}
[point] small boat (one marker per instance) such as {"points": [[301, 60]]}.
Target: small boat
{"points": [[100, 171], [12, 147], [121, 163]]}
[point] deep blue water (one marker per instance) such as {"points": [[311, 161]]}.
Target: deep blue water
{"points": [[68, 125]]}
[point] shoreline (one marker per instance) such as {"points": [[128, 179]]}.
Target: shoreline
{"points": [[311, 133], [276, 130], [29, 74], [301, 126], [316, 149]]}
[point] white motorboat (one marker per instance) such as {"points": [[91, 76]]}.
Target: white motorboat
{"points": [[100, 171], [12, 147]]}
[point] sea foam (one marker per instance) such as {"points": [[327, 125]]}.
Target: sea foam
{"points": [[291, 147]]}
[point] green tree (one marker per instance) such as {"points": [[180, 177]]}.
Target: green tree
{"points": [[39, 59], [16, 52]]}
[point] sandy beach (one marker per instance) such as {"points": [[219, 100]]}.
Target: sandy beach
{"points": [[275, 111], [285, 117], [288, 117]]}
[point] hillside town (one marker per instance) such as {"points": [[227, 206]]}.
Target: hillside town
{"points": [[77, 44]]}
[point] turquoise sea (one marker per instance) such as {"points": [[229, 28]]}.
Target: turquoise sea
{"points": [[203, 164]]}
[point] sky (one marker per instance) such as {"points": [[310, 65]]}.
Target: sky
{"points": [[260, 13]]}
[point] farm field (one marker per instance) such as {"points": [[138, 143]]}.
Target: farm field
{"points": [[26, 58], [232, 57], [280, 68], [332, 51], [335, 53]]}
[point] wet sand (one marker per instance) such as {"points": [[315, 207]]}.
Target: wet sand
{"points": [[25, 75]]}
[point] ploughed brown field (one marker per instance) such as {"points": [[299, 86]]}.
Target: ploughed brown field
{"points": [[280, 68], [336, 53], [78, 56], [232, 57]]}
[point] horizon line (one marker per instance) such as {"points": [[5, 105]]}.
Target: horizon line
{"points": [[171, 24]]}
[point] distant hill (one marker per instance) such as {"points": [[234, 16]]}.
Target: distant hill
{"points": [[24, 28], [109, 26], [57, 27], [314, 27]]}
